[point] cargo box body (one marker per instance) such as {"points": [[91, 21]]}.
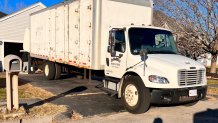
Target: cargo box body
{"points": [[76, 32]]}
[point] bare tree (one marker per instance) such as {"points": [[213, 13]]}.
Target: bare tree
{"points": [[198, 21]]}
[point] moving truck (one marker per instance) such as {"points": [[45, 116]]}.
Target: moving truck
{"points": [[141, 63]]}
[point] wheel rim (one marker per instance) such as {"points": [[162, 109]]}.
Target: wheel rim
{"points": [[131, 95], [46, 70]]}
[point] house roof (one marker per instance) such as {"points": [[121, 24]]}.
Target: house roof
{"points": [[21, 11], [2, 14]]}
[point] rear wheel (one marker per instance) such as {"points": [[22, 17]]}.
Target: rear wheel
{"points": [[135, 96], [57, 71], [49, 70]]}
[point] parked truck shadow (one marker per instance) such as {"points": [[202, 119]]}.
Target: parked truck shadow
{"points": [[208, 116], [74, 90]]}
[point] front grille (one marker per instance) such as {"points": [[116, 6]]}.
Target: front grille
{"points": [[190, 77]]}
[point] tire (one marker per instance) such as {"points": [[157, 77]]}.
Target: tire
{"points": [[49, 70], [57, 71], [141, 98]]}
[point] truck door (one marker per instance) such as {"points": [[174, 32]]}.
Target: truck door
{"points": [[116, 54]]}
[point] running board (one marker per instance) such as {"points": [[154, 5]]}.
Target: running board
{"points": [[109, 91]]}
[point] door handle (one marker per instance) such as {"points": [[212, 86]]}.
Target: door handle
{"points": [[107, 61]]}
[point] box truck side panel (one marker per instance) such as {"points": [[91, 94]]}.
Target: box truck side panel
{"points": [[77, 31], [39, 34], [85, 56], [74, 38], [45, 50], [52, 26], [59, 44], [122, 12], [66, 33]]}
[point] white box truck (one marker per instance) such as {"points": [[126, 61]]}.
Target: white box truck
{"points": [[140, 62]]}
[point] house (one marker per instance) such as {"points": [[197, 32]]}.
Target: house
{"points": [[12, 28], [2, 14]]}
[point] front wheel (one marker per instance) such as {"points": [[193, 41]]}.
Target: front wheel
{"points": [[135, 96]]}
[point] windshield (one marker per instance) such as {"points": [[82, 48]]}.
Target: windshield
{"points": [[154, 40]]}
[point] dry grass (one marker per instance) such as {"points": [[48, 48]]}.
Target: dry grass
{"points": [[212, 91], [26, 90], [212, 81], [34, 92], [47, 109]]}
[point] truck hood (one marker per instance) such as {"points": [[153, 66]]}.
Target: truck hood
{"points": [[166, 65], [173, 60]]}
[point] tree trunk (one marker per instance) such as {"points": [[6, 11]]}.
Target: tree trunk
{"points": [[213, 63]]}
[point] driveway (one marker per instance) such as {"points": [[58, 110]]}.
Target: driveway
{"points": [[94, 105], [79, 95], [202, 112]]}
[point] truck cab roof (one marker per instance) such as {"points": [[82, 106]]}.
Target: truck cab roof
{"points": [[141, 26]]}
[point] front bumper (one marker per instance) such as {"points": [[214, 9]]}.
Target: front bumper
{"points": [[177, 96]]}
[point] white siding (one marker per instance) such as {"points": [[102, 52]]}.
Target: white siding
{"points": [[12, 27]]}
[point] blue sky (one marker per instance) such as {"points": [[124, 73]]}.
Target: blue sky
{"points": [[10, 6]]}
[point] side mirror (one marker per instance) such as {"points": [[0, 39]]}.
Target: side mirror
{"points": [[120, 55], [144, 54]]}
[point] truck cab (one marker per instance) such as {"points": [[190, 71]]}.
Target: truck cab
{"points": [[143, 65]]}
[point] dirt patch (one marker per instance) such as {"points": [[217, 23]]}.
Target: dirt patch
{"points": [[76, 116], [211, 98]]}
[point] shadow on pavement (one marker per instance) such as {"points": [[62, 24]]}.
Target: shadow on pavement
{"points": [[208, 116], [158, 120], [77, 89]]}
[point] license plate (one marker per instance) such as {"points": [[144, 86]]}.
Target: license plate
{"points": [[193, 93]]}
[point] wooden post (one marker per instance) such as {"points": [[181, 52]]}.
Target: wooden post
{"points": [[15, 91], [12, 91], [9, 91]]}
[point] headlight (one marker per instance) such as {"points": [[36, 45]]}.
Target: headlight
{"points": [[158, 79]]}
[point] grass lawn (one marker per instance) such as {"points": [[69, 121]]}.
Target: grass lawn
{"points": [[212, 81], [20, 93], [212, 90], [25, 90]]}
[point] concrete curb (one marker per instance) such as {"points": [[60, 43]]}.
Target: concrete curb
{"points": [[47, 119]]}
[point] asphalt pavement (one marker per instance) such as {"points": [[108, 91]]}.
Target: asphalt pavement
{"points": [[79, 95], [83, 97], [203, 112]]}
